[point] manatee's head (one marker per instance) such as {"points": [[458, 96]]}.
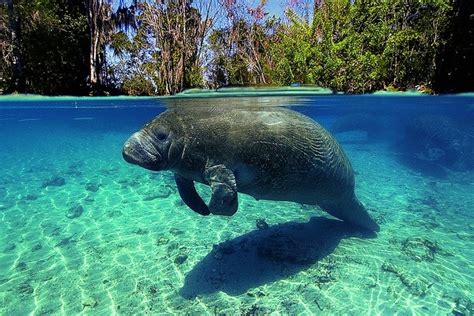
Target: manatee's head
{"points": [[155, 146]]}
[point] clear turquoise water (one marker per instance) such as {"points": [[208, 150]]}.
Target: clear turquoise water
{"points": [[81, 231]]}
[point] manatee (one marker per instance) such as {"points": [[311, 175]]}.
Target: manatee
{"points": [[433, 138], [270, 153]]}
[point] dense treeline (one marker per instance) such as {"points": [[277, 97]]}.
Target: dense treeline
{"points": [[44, 47], [146, 47]]}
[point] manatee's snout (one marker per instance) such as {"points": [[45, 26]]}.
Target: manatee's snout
{"points": [[140, 150], [130, 150]]}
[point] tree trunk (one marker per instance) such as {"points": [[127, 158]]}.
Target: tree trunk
{"points": [[18, 80], [177, 30], [95, 21]]}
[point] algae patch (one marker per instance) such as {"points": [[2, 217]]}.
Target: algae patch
{"points": [[420, 249], [415, 286]]}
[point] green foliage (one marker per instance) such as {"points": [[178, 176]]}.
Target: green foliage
{"points": [[193, 77], [349, 46], [52, 46], [120, 43], [138, 85], [158, 47]]}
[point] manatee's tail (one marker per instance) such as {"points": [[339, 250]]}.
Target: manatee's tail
{"points": [[354, 212]]}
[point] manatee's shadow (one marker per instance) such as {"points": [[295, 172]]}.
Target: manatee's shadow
{"points": [[266, 255]]}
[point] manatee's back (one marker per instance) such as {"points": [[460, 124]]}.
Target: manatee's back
{"points": [[314, 164], [291, 153]]}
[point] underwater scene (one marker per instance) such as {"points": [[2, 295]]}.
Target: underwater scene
{"points": [[86, 228]]}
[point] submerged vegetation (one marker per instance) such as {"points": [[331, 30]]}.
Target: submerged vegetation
{"points": [[145, 47]]}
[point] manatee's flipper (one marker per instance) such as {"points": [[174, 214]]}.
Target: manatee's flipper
{"points": [[352, 211], [224, 190], [188, 194]]}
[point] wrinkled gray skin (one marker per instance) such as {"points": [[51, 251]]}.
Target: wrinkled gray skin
{"points": [[268, 153]]}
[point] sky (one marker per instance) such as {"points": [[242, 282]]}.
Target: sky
{"points": [[274, 7]]}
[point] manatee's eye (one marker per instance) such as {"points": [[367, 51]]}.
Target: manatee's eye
{"points": [[161, 135]]}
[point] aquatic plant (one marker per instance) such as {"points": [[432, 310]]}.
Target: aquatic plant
{"points": [[415, 285], [54, 182], [420, 249], [261, 223], [464, 306], [92, 187], [74, 211]]}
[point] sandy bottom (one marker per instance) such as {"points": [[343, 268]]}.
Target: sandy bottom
{"points": [[81, 231]]}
